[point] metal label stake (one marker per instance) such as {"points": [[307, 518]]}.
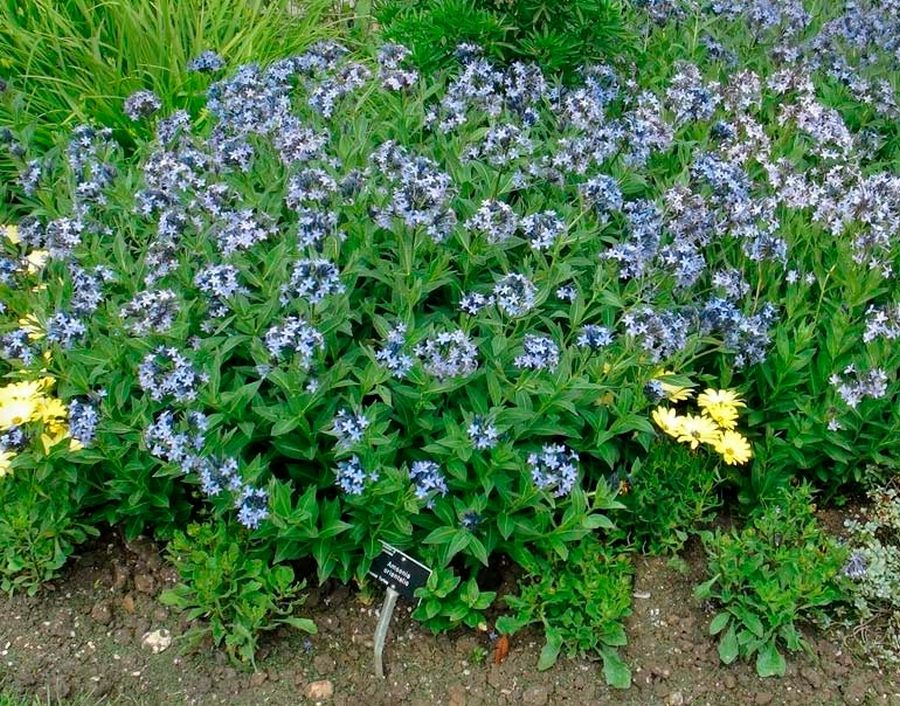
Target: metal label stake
{"points": [[387, 610], [401, 574]]}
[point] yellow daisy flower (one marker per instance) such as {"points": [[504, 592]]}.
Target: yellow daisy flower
{"points": [[667, 420], [20, 391], [50, 409], [36, 260], [12, 234], [698, 429], [721, 406], [6, 458], [719, 398], [673, 393], [725, 417], [15, 412], [733, 448]]}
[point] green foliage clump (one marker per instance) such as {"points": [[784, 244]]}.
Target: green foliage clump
{"points": [[780, 569], [668, 495], [349, 303], [233, 586], [874, 572], [41, 524], [559, 36], [581, 603]]}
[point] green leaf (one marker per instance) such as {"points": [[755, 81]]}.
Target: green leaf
{"points": [[704, 590], [615, 670], [719, 623], [284, 426], [461, 540], [753, 623], [478, 550], [728, 646], [769, 661], [304, 624], [441, 535], [550, 652], [506, 525], [598, 522], [509, 624]]}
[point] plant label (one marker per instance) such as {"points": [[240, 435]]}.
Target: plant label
{"points": [[399, 571]]}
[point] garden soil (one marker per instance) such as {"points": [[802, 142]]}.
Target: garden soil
{"points": [[88, 634]]}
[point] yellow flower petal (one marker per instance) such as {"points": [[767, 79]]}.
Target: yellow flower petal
{"points": [[32, 327], [733, 448], [712, 398], [667, 420], [12, 234], [16, 412], [676, 393], [36, 260], [724, 416], [6, 458], [698, 429]]}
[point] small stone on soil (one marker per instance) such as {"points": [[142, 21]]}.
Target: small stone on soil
{"points": [[318, 690], [158, 640], [676, 698]]}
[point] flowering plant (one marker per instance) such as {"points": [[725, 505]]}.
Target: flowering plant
{"points": [[352, 304], [714, 426]]}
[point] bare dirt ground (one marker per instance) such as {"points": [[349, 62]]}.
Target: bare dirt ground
{"points": [[85, 636]]}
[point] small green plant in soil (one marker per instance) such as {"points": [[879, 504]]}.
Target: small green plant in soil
{"points": [[778, 570], [237, 594], [581, 603], [668, 495], [39, 528], [478, 655], [874, 572]]}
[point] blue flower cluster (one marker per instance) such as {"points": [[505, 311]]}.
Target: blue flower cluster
{"points": [[165, 372], [349, 428], [483, 433], [554, 468], [352, 478], [448, 354], [428, 480]]}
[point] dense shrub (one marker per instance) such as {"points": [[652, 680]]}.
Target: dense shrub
{"points": [[351, 304]]}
